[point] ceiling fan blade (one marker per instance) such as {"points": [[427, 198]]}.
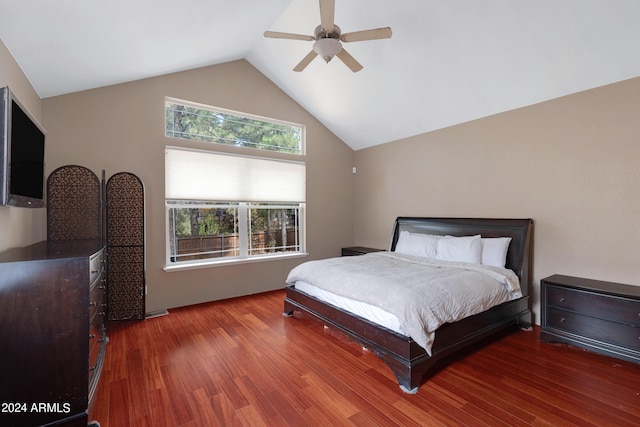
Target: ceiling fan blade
{"points": [[327, 13], [349, 61], [279, 35], [305, 61], [358, 36]]}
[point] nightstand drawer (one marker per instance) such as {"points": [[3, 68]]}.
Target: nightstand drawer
{"points": [[358, 250], [594, 328], [606, 307]]}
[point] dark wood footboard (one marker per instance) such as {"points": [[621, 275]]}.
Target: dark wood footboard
{"points": [[409, 362]]}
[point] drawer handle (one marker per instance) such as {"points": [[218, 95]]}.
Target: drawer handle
{"points": [[92, 336], [562, 320], [95, 271], [562, 299], [93, 304]]}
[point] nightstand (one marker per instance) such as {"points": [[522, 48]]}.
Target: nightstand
{"points": [[599, 316], [358, 250]]}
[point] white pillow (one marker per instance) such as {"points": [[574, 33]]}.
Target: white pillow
{"points": [[494, 251], [424, 245], [463, 249]]}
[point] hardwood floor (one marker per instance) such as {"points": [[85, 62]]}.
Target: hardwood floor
{"points": [[240, 362]]}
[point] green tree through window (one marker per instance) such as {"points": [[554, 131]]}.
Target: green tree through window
{"points": [[202, 230], [202, 124]]}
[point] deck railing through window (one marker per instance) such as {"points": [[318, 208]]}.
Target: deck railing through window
{"points": [[205, 247]]}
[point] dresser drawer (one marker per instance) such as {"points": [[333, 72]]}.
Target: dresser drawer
{"points": [[95, 337], [594, 328], [97, 300], [605, 307], [97, 343], [96, 266]]}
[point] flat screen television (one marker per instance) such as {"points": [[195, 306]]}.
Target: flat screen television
{"points": [[21, 154]]}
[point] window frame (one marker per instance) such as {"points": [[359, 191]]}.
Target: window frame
{"points": [[243, 226]]}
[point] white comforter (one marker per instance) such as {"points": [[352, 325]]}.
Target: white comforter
{"points": [[422, 293]]}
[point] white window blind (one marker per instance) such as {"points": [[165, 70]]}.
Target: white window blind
{"points": [[205, 175]]}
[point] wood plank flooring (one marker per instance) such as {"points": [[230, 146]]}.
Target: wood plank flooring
{"points": [[239, 362]]}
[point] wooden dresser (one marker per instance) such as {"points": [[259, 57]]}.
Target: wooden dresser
{"points": [[97, 318], [52, 331], [599, 316]]}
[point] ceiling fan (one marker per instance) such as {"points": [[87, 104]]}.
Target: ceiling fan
{"points": [[327, 38]]}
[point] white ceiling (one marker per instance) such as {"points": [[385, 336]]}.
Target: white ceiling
{"points": [[448, 62]]}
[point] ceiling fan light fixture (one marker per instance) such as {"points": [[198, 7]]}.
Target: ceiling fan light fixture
{"points": [[329, 38], [327, 48]]}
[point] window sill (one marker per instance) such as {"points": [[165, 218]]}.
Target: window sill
{"points": [[226, 262]]}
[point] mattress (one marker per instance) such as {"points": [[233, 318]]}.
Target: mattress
{"points": [[367, 311]]}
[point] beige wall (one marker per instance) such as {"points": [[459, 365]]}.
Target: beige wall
{"points": [[572, 164], [20, 226], [121, 128]]}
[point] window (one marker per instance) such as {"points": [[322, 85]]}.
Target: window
{"points": [[230, 208], [202, 123]]}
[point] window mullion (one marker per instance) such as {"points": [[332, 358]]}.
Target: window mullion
{"points": [[243, 229]]}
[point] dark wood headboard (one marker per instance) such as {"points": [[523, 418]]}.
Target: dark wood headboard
{"points": [[520, 231]]}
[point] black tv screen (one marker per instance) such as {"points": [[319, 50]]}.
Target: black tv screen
{"points": [[21, 155], [27, 155]]}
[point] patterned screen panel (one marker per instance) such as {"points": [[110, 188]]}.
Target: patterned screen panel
{"points": [[125, 247], [73, 204]]}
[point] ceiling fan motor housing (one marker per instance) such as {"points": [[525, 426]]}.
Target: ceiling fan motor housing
{"points": [[320, 33]]}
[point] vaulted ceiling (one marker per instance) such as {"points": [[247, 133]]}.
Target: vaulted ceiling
{"points": [[447, 62]]}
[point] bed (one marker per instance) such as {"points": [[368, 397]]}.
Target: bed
{"points": [[410, 361]]}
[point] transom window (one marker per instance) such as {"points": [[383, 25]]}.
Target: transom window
{"points": [[203, 123], [224, 208]]}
